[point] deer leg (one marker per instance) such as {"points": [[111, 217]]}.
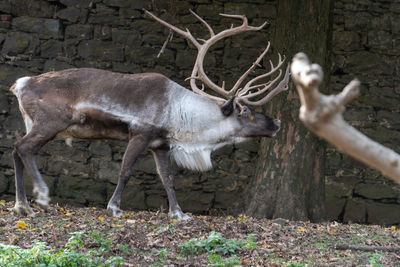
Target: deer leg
{"points": [[137, 144], [25, 149], [163, 164], [21, 203]]}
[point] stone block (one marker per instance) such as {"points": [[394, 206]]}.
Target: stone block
{"points": [[334, 207], [377, 191], [118, 3], [386, 214], [45, 28], [146, 164], [20, 43], [82, 191], [355, 211], [126, 13], [35, 8], [144, 55], [346, 40], [101, 149], [4, 181], [71, 14], [127, 37], [51, 49], [156, 201], [4, 105], [77, 3], [55, 65], [99, 50], [109, 171], [225, 200], [133, 198], [266, 10], [380, 40], [79, 31], [195, 201], [102, 32]]}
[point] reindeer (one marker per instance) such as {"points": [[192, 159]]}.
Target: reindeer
{"points": [[147, 110]]}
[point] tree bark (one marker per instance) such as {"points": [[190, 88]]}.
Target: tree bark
{"points": [[289, 180]]}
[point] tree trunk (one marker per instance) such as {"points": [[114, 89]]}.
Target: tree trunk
{"points": [[289, 180]]}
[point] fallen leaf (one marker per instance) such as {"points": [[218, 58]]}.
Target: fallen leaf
{"points": [[21, 225], [101, 218], [2, 203], [302, 229], [126, 215], [3, 212], [242, 218], [68, 225]]}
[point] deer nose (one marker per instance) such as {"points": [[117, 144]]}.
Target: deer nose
{"points": [[277, 122]]}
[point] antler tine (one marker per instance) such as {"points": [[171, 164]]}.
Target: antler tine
{"points": [[185, 34], [245, 21], [249, 84], [250, 70], [282, 86], [210, 30]]}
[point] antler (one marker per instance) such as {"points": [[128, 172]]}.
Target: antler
{"points": [[241, 94]]}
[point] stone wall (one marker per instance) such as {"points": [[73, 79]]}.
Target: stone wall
{"points": [[39, 36], [366, 45], [43, 36]]}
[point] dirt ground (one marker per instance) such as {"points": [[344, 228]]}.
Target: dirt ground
{"points": [[150, 238]]}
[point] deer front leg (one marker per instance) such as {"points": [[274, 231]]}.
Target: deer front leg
{"points": [[137, 144], [164, 171]]}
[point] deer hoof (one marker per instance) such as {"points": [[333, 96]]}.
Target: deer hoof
{"points": [[42, 197], [23, 210], [113, 211], [179, 215]]}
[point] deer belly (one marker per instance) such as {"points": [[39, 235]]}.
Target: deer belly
{"points": [[93, 128]]}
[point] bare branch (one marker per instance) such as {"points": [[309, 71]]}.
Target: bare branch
{"points": [[323, 115]]}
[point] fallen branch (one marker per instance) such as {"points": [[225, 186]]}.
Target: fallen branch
{"points": [[366, 248], [323, 115]]}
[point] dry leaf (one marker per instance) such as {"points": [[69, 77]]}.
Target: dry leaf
{"points": [[21, 225], [101, 218]]}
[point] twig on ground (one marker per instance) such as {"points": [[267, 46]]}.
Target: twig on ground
{"points": [[366, 248]]}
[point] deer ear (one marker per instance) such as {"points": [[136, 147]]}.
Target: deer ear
{"points": [[228, 107]]}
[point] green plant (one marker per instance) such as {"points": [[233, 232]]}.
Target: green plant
{"points": [[105, 244], [374, 260], [124, 248], [76, 240], [218, 261], [41, 255], [295, 264], [216, 244]]}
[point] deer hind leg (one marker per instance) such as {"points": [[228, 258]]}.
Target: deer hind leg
{"points": [[24, 152], [163, 164], [137, 144], [21, 203]]}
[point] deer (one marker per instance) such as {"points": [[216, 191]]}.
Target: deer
{"points": [[148, 111]]}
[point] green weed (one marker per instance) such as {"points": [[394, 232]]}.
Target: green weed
{"points": [[69, 256]]}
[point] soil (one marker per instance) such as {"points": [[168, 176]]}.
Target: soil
{"points": [[151, 238]]}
